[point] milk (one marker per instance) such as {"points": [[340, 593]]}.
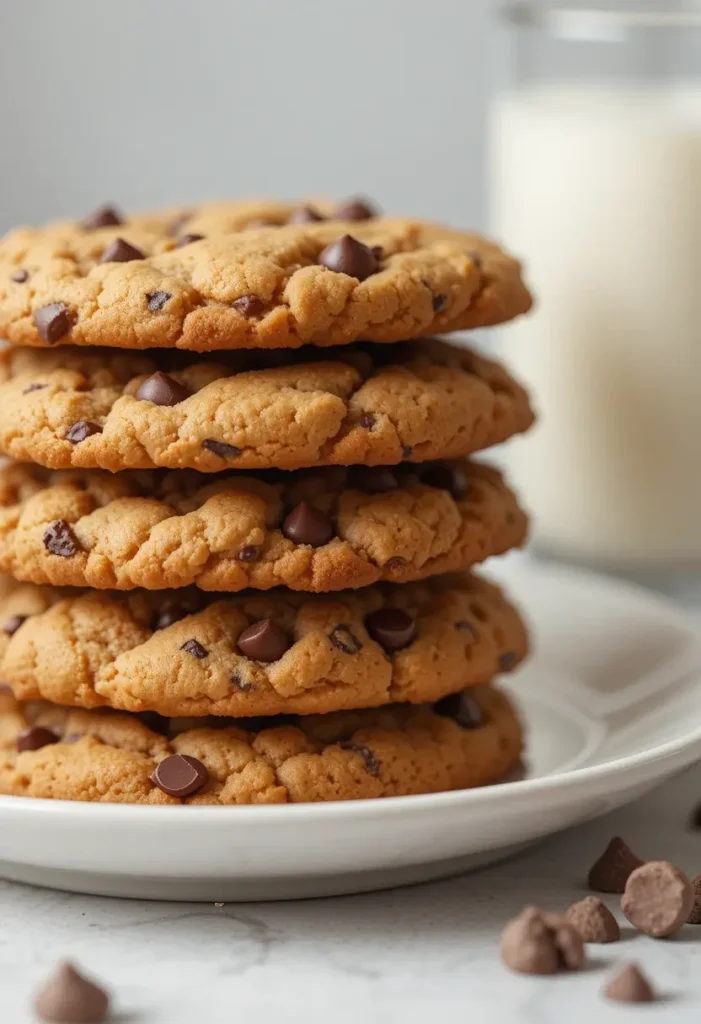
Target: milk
{"points": [[600, 190]]}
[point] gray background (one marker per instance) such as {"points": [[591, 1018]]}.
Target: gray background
{"points": [[146, 102]]}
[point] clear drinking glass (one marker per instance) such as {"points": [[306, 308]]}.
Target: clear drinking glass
{"points": [[596, 176]]}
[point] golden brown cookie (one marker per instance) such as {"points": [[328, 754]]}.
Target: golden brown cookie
{"points": [[137, 285], [106, 756], [368, 405], [318, 530], [186, 653]]}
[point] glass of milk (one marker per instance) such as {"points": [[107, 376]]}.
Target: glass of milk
{"points": [[596, 183]]}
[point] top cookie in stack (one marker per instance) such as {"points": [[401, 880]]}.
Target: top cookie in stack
{"points": [[276, 338]]}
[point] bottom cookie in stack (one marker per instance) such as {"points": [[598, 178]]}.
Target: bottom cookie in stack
{"points": [[468, 739]]}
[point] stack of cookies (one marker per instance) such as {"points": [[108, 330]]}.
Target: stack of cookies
{"points": [[240, 521]]}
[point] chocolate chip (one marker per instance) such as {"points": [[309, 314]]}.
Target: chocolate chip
{"points": [[81, 430], [241, 684], [53, 321], [462, 708], [195, 648], [445, 478], [20, 276], [613, 868], [188, 240], [372, 761], [180, 775], [34, 387], [248, 305], [69, 997], [60, 540], [224, 451], [507, 661], [476, 259], [167, 617], [536, 942], [35, 738], [249, 553], [439, 302], [373, 479], [406, 451], [593, 920], [378, 252], [465, 627], [263, 641], [395, 563], [391, 628], [157, 300], [161, 389], [367, 420], [344, 640], [658, 899], [349, 256], [120, 251], [307, 524], [13, 624], [102, 217], [629, 985], [354, 209], [304, 215]]}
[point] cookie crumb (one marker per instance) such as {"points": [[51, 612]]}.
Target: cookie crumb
{"points": [[629, 986], [658, 899], [537, 942], [613, 868], [593, 920], [69, 998]]}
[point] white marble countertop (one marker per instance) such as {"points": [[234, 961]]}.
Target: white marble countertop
{"points": [[411, 955]]}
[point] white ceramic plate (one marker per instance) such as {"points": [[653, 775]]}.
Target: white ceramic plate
{"points": [[612, 701]]}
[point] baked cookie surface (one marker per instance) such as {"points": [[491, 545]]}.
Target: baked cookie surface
{"points": [[203, 284], [184, 653], [361, 404], [318, 530], [111, 757]]}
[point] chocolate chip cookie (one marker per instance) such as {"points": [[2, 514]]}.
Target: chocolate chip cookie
{"points": [[471, 739], [187, 653]]}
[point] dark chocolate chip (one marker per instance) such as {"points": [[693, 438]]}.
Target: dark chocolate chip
{"points": [[68, 996], [248, 305], [249, 553], [406, 451], [167, 617], [344, 640], [373, 479], [53, 321], [224, 451], [60, 540], [161, 389], [304, 215], [354, 209], [439, 303], [367, 420], [395, 563], [507, 661], [391, 628], [81, 430], [13, 624], [20, 276], [307, 524], [120, 251], [462, 708], [34, 387], [188, 240], [103, 217], [35, 738], [446, 478], [263, 641], [349, 256], [378, 252], [157, 300], [180, 775], [241, 684], [195, 648], [372, 761]]}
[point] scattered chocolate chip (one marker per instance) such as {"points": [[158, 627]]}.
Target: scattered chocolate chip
{"points": [[476, 259], [120, 251], [53, 321], [195, 648], [593, 920], [161, 389], [344, 640], [249, 553], [102, 217], [613, 868], [34, 387], [537, 942], [395, 562], [439, 303], [304, 215], [188, 240], [507, 661], [224, 451], [658, 898], [240, 683], [406, 451], [629, 985], [446, 478], [81, 430], [465, 627], [378, 252], [157, 300], [248, 305], [263, 641], [372, 479], [372, 761], [180, 775], [69, 998], [59, 539], [20, 276], [13, 624], [354, 209], [391, 628], [349, 256], [307, 524], [367, 420], [462, 708], [695, 914], [167, 617], [35, 738]]}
